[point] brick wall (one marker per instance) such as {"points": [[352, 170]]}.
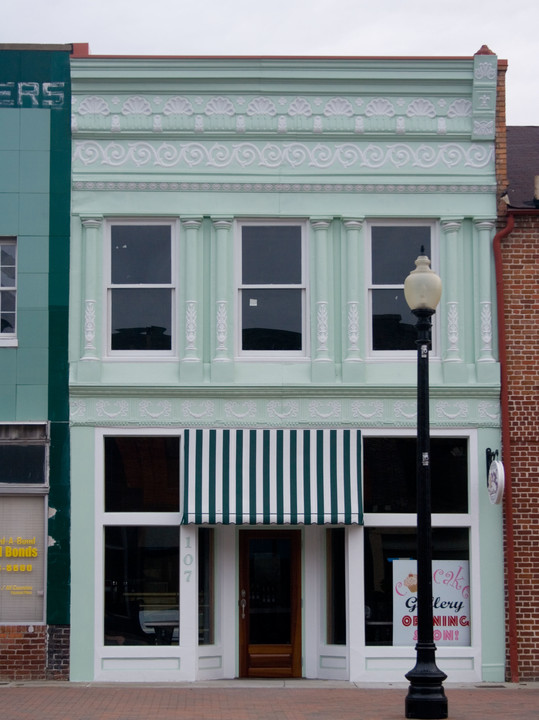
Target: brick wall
{"points": [[520, 252], [34, 652], [501, 138], [58, 652]]}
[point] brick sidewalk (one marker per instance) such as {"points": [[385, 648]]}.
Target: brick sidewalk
{"points": [[65, 701]]}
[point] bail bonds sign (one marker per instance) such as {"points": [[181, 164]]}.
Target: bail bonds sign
{"points": [[450, 602]]}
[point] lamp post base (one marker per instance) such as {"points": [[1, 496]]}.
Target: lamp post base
{"points": [[426, 698]]}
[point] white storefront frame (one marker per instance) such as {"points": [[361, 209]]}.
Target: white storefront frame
{"points": [[146, 663], [389, 663], [354, 661]]}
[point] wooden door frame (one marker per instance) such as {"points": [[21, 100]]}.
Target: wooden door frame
{"points": [[295, 536]]}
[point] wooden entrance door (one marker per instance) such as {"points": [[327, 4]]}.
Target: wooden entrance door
{"points": [[269, 606]]}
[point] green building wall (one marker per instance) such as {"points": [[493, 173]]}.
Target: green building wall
{"points": [[204, 142], [35, 166]]}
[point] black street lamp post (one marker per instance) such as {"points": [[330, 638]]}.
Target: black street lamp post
{"points": [[426, 697]]}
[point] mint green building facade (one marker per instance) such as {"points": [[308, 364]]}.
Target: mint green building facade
{"points": [[35, 167], [243, 366]]}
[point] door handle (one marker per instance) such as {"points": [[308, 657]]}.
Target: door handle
{"points": [[243, 603]]}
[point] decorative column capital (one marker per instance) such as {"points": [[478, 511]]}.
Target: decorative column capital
{"points": [[484, 224], [353, 223], [91, 221], [451, 225], [319, 224], [222, 223], [191, 223]]}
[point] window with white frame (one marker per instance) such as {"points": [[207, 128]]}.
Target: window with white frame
{"points": [[394, 248], [140, 527], [8, 288], [272, 289], [390, 541], [141, 288], [24, 483], [141, 559]]}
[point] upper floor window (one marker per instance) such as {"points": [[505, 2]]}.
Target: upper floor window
{"points": [[8, 287], [23, 455], [393, 251], [141, 288], [272, 289]]}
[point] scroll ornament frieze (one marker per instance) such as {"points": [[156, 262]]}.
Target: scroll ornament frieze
{"points": [[241, 155]]}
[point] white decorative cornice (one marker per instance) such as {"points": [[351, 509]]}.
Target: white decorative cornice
{"points": [[271, 113]]}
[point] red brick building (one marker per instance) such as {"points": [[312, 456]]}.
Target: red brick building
{"points": [[516, 249]]}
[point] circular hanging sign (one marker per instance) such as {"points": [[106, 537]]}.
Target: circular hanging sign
{"points": [[496, 482]]}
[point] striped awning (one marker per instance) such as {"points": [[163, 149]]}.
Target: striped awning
{"points": [[284, 477]]}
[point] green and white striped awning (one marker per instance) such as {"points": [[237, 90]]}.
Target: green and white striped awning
{"points": [[283, 477]]}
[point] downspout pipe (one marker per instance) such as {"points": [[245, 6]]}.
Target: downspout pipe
{"points": [[506, 451]]}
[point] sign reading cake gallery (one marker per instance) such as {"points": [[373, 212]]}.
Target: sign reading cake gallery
{"points": [[22, 559], [450, 602]]}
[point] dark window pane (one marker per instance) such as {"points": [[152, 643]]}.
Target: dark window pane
{"points": [[394, 251], [382, 546], [141, 586], [140, 254], [271, 255], [205, 587], [336, 587], [8, 298], [7, 254], [272, 319], [22, 464], [141, 319], [389, 474], [7, 277], [270, 601], [7, 322], [393, 324], [142, 474]]}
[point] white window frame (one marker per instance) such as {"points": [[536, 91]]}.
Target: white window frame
{"points": [[146, 657], [36, 490], [434, 258], [240, 288], [10, 339], [470, 520], [172, 286], [28, 488]]}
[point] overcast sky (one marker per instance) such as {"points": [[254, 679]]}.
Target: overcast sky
{"points": [[296, 27]]}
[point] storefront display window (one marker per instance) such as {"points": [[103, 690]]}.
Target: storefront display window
{"points": [[336, 586], [205, 587], [142, 474], [24, 477], [384, 547], [141, 557], [390, 474], [141, 585]]}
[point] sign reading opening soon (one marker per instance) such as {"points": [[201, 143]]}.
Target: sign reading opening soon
{"points": [[22, 559], [450, 602]]}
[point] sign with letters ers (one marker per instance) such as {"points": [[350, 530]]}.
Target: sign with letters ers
{"points": [[450, 602]]}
